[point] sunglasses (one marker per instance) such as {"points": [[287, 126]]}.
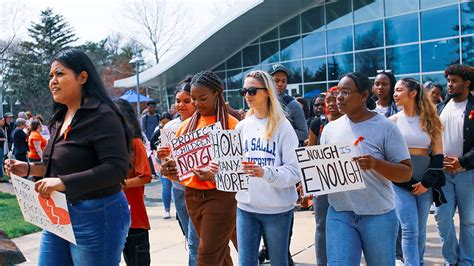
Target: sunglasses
{"points": [[384, 71], [252, 91]]}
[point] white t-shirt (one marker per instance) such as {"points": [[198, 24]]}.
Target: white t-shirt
{"points": [[275, 192], [452, 118]]}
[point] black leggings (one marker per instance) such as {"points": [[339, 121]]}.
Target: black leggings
{"points": [[137, 248]]}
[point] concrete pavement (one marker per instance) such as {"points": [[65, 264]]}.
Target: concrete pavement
{"points": [[168, 246]]}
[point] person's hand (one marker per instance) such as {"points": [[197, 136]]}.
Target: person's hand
{"points": [[169, 169], [451, 164], [252, 169], [418, 189], [46, 186], [207, 173], [163, 152], [366, 162], [16, 167], [299, 188], [306, 142]]}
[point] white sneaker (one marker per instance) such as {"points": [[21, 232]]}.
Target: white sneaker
{"points": [[399, 263], [166, 215]]}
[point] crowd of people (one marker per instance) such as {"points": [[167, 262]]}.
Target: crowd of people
{"points": [[417, 149]]}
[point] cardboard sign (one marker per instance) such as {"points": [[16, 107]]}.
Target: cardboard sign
{"points": [[228, 152], [50, 214], [329, 168], [193, 150], [166, 135]]}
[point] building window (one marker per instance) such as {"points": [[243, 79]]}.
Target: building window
{"points": [[339, 40], [251, 55], [436, 78], [269, 36], [235, 61], [404, 59], [467, 16], [234, 79], [290, 28], [313, 19], [436, 56], [314, 70], [290, 49], [314, 44], [219, 67], [468, 51], [425, 4], [313, 90], [365, 10], [269, 52], [236, 101], [397, 7], [439, 23], [339, 65], [295, 72], [368, 35], [338, 13], [401, 29], [369, 62], [221, 75]]}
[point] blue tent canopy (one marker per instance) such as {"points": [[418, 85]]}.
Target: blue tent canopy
{"points": [[132, 96]]}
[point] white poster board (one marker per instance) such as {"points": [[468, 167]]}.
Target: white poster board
{"points": [[50, 214], [228, 152], [329, 168], [166, 135], [193, 150]]}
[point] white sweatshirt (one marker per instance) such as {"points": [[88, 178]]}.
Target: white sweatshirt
{"points": [[275, 192]]}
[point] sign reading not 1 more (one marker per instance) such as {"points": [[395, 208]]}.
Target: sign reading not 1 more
{"points": [[193, 150], [228, 152], [329, 168], [50, 214]]}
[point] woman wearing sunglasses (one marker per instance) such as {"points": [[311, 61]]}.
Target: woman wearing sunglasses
{"points": [[267, 206], [212, 211]]}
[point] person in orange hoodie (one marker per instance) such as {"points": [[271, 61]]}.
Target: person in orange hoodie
{"points": [[213, 212], [137, 245]]}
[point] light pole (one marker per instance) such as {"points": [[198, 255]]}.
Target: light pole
{"points": [[10, 96], [137, 59]]}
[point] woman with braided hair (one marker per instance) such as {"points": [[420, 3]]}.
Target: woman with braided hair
{"points": [[212, 212]]}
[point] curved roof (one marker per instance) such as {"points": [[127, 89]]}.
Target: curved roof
{"points": [[219, 41]]}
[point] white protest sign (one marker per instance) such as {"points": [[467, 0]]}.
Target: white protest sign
{"points": [[193, 150], [166, 135], [50, 214], [329, 168], [228, 152]]}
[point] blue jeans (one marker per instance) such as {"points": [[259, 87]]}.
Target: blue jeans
{"points": [[320, 206], [412, 212], [348, 234], [187, 225], [249, 230], [166, 192], [100, 226], [459, 192]]}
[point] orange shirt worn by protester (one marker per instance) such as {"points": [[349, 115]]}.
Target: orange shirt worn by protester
{"points": [[35, 136]]}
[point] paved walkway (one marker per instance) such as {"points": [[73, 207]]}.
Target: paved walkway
{"points": [[168, 246]]}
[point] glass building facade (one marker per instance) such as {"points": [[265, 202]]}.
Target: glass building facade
{"points": [[413, 38]]}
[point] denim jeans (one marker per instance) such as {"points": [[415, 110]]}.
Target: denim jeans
{"points": [[249, 230], [412, 212], [100, 226], [459, 192], [166, 192], [320, 206], [348, 234], [187, 225]]}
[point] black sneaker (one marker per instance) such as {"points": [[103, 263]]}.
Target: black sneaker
{"points": [[263, 255]]}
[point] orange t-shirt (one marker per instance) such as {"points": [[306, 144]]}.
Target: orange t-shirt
{"points": [[135, 195], [35, 136], [203, 121]]}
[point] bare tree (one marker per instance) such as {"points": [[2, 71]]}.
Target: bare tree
{"points": [[12, 17], [160, 25]]}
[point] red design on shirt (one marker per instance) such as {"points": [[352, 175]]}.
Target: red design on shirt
{"points": [[359, 139], [66, 132]]}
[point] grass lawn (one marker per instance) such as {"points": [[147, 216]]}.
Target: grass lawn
{"points": [[11, 219]]}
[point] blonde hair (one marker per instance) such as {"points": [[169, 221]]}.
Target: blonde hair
{"points": [[429, 119], [276, 115]]}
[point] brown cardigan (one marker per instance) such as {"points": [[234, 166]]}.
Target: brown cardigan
{"points": [[92, 159]]}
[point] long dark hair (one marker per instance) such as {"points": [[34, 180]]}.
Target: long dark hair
{"points": [[393, 81], [362, 83], [130, 117], [210, 80], [78, 61]]}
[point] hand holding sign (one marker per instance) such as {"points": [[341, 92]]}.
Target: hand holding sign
{"points": [[163, 152], [252, 169], [47, 185], [169, 169], [207, 173], [366, 162]]}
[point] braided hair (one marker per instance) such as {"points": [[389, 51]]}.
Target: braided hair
{"points": [[211, 81]]}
